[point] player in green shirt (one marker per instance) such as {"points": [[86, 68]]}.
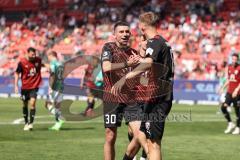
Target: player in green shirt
{"points": [[56, 87]]}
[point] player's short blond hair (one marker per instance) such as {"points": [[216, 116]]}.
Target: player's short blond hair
{"points": [[149, 18]]}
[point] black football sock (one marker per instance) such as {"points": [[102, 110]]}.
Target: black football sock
{"points": [[239, 117], [226, 114], [90, 103], [130, 137], [238, 122], [32, 115], [126, 157], [25, 114], [144, 154], [237, 110]]}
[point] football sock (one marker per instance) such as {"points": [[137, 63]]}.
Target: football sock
{"points": [[32, 115], [130, 137], [126, 157], [25, 114], [51, 109], [144, 155], [237, 110], [225, 113], [90, 103], [58, 114], [239, 117]]}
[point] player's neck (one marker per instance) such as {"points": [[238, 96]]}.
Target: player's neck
{"points": [[151, 33], [121, 46], [27, 58], [54, 59]]}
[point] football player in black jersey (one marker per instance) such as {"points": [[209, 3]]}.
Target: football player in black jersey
{"points": [[160, 63]]}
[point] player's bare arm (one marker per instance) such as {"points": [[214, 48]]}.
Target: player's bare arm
{"points": [[82, 79], [108, 66], [221, 90], [145, 64], [16, 75], [236, 91]]}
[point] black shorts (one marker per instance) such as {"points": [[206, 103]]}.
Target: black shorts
{"points": [[115, 112], [229, 100], [153, 121], [26, 94], [133, 113]]}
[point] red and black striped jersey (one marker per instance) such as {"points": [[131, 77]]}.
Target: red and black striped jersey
{"points": [[111, 52]]}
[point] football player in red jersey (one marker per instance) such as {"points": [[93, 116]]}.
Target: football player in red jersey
{"points": [[88, 81], [29, 70], [232, 95]]}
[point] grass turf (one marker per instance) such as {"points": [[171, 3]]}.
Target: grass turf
{"points": [[192, 133]]}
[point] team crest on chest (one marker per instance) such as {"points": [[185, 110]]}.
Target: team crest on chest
{"points": [[147, 125], [236, 72]]}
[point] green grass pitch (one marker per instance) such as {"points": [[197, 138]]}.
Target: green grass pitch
{"points": [[191, 133]]}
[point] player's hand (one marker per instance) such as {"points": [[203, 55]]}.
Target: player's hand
{"points": [[133, 59], [117, 87], [220, 91], [235, 93], [16, 89]]}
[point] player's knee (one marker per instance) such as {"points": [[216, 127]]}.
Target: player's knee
{"points": [[110, 136], [25, 104], [224, 108], [154, 145], [32, 104], [224, 105], [134, 128]]}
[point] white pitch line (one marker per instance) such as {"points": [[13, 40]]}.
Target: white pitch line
{"points": [[20, 120]]}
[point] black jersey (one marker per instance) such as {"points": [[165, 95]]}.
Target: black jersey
{"points": [[162, 71]]}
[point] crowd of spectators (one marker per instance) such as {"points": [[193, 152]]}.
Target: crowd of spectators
{"points": [[34, 31], [201, 38]]}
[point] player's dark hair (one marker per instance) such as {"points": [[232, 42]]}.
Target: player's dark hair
{"points": [[53, 53], [149, 18], [31, 49], [120, 23], [235, 55]]}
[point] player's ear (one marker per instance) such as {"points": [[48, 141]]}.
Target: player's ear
{"points": [[114, 34]]}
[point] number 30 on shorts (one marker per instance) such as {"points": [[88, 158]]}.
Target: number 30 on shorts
{"points": [[110, 119]]}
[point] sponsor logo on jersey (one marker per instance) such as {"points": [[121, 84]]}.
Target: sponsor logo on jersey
{"points": [[149, 51], [105, 53]]}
